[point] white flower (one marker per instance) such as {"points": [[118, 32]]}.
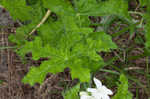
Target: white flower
{"points": [[85, 95], [100, 92]]}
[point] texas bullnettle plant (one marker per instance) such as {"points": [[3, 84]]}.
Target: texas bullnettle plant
{"points": [[61, 31]]}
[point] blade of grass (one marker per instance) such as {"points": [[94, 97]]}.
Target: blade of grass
{"points": [[7, 47], [137, 94], [120, 32], [110, 71]]}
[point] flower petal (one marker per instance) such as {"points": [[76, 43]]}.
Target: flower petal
{"points": [[97, 95], [84, 95], [106, 97], [98, 83], [92, 90], [107, 91]]}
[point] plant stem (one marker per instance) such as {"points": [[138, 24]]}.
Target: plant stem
{"points": [[41, 22], [134, 12], [7, 47], [110, 71]]}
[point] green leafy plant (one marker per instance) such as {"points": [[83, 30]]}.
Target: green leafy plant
{"points": [[72, 93], [61, 31], [122, 91], [67, 41]]}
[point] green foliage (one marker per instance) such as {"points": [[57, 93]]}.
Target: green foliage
{"points": [[73, 49], [67, 41], [147, 26], [36, 48], [72, 93], [59, 6], [31, 18], [147, 29], [1, 81], [143, 2], [122, 91], [18, 9], [92, 7]]}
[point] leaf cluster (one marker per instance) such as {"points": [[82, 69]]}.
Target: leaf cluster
{"points": [[68, 40]]}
